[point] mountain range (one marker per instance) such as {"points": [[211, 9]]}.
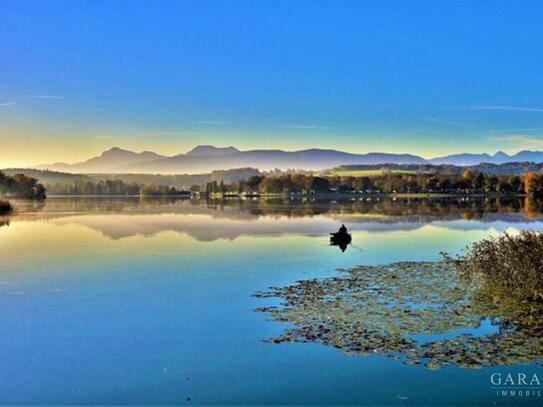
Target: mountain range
{"points": [[206, 158]]}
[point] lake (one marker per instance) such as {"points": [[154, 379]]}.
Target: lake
{"points": [[129, 301]]}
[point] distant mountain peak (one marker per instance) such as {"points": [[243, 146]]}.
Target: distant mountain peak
{"points": [[205, 149], [121, 152], [116, 151]]}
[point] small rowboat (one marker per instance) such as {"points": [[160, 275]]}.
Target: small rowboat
{"points": [[340, 238]]}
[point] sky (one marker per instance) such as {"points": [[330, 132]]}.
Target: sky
{"points": [[429, 78]]}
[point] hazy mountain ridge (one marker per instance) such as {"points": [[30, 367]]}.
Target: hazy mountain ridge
{"points": [[467, 159], [183, 181], [107, 161], [266, 160], [207, 158], [210, 158]]}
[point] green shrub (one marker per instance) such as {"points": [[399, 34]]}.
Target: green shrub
{"points": [[5, 207], [511, 261]]}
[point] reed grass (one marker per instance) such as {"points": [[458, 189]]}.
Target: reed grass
{"points": [[514, 262]]}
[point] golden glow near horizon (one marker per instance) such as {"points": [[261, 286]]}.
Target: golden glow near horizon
{"points": [[30, 147]]}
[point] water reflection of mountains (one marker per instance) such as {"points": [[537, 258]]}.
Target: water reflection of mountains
{"points": [[231, 218]]}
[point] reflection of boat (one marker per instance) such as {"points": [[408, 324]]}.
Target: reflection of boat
{"points": [[341, 239]]}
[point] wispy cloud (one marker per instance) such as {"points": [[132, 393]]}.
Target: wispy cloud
{"points": [[516, 130], [45, 97], [4, 104], [507, 108], [451, 123], [304, 127], [42, 96], [34, 96], [522, 141], [485, 129]]}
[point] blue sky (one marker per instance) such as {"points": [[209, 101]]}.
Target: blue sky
{"points": [[428, 78]]}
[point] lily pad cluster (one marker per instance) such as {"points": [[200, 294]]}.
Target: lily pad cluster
{"points": [[387, 309]]}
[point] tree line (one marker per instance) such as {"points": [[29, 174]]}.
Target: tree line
{"points": [[112, 187], [467, 182], [21, 186]]}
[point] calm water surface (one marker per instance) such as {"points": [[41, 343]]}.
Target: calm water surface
{"points": [[122, 301]]}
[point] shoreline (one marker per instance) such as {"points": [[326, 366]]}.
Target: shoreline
{"points": [[334, 195], [323, 195]]}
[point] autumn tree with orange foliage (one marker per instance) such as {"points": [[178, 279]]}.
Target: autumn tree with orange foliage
{"points": [[533, 184]]}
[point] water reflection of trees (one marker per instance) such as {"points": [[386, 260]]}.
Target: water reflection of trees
{"points": [[418, 312], [405, 209], [413, 209]]}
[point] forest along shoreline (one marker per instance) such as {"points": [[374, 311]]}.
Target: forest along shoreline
{"points": [[294, 186], [469, 183]]}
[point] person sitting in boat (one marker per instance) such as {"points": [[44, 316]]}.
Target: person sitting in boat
{"points": [[342, 230]]}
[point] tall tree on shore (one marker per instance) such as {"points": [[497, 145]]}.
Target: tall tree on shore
{"points": [[533, 184]]}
